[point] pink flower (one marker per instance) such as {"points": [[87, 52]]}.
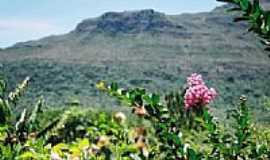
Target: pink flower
{"points": [[195, 79], [198, 94]]}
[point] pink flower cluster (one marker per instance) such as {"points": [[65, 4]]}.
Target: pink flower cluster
{"points": [[195, 79], [198, 94]]}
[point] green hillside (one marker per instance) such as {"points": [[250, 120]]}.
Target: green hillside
{"points": [[142, 48], [142, 85]]}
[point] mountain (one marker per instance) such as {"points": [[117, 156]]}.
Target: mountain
{"points": [[142, 48]]}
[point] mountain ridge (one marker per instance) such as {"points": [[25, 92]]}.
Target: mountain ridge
{"points": [[109, 20], [131, 22], [100, 21], [103, 22], [146, 49]]}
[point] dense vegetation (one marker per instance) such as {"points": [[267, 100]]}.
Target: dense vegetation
{"points": [[62, 84], [181, 125], [156, 55]]}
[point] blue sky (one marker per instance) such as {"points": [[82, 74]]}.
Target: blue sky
{"points": [[22, 20]]}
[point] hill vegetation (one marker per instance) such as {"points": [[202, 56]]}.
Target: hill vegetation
{"points": [[180, 126], [142, 48], [167, 114]]}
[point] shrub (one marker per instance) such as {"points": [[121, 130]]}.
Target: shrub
{"points": [[180, 128], [178, 112]]}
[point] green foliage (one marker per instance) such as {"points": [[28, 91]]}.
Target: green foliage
{"points": [[255, 15], [8, 103], [173, 133], [228, 61], [75, 133], [170, 121]]}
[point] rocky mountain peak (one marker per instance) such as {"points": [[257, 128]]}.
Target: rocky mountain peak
{"points": [[127, 22]]}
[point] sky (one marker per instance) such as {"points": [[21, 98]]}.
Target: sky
{"points": [[23, 20]]}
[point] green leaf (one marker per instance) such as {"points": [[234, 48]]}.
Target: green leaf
{"points": [[155, 99], [114, 87], [192, 154], [2, 87], [245, 4]]}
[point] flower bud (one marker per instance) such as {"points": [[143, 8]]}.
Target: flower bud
{"points": [[120, 117]]}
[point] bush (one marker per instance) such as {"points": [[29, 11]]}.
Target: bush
{"points": [[187, 111], [179, 125]]}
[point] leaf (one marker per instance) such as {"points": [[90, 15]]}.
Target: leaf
{"points": [[2, 87], [27, 156], [84, 143], [192, 154], [48, 128], [21, 122], [256, 10], [238, 19], [15, 95], [59, 148], [5, 111], [33, 119], [234, 9], [114, 87], [245, 5], [155, 99]]}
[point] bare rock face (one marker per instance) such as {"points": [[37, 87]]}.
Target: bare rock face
{"points": [[128, 22]]}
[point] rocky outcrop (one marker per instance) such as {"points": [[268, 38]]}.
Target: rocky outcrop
{"points": [[128, 22]]}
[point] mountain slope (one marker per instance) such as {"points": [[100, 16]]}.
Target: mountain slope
{"points": [[143, 48]]}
